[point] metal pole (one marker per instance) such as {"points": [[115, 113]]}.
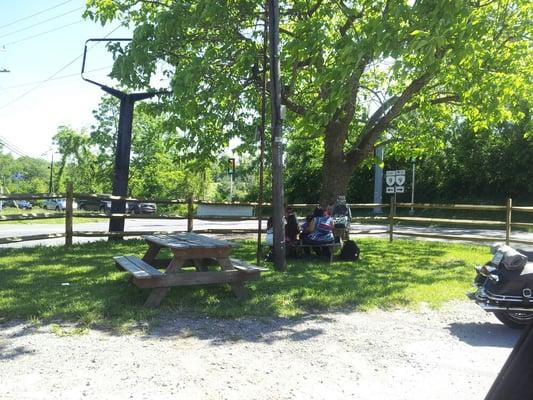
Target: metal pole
{"points": [[412, 211], [189, 213], [277, 146], [69, 215], [508, 218], [122, 154], [378, 180], [262, 138], [122, 164], [51, 182], [231, 188]]}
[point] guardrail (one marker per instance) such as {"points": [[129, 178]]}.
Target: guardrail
{"points": [[189, 204]]}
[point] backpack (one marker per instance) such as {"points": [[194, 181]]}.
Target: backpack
{"points": [[350, 251]]}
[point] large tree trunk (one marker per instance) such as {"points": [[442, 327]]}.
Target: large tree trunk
{"points": [[338, 167], [336, 172], [335, 179]]}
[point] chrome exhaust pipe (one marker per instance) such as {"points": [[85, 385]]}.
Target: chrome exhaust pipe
{"points": [[490, 308]]}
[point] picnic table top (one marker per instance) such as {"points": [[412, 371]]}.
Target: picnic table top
{"points": [[187, 241]]}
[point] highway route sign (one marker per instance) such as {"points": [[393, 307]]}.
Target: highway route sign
{"points": [[395, 180]]}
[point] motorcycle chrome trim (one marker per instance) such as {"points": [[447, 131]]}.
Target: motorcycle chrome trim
{"points": [[482, 295], [490, 308]]}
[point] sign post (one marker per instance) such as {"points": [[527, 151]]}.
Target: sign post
{"points": [[231, 172], [395, 180], [412, 211]]}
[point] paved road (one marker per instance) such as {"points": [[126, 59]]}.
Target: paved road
{"points": [[177, 225]]}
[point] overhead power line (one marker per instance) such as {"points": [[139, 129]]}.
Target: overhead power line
{"points": [[40, 23], [12, 148], [41, 33], [7, 143], [34, 15], [54, 74], [53, 79]]}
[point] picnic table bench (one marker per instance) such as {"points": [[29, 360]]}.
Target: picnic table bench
{"points": [[187, 248]]}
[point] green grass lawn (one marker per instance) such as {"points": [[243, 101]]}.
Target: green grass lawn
{"points": [[83, 286]]}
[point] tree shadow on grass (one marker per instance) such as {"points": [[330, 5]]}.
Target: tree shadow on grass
{"points": [[82, 285], [485, 334]]}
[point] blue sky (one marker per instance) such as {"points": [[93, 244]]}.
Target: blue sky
{"points": [[33, 49]]}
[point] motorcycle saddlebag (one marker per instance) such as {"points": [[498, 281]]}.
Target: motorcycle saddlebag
{"points": [[512, 283]]}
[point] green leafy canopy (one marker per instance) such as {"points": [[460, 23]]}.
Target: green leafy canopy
{"points": [[354, 72]]}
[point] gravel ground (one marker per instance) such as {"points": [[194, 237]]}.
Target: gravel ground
{"points": [[453, 353]]}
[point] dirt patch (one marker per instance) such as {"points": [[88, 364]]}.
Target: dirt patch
{"points": [[453, 353]]}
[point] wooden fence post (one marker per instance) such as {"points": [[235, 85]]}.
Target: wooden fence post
{"points": [[392, 211], [69, 215], [508, 218], [189, 214]]}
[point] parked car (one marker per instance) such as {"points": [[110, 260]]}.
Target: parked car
{"points": [[140, 208], [22, 204], [102, 206], [58, 204]]}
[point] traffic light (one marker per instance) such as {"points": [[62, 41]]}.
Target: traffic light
{"points": [[231, 166]]}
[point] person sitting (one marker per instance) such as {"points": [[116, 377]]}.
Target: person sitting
{"points": [[322, 233], [309, 226], [270, 239], [291, 229], [291, 235]]}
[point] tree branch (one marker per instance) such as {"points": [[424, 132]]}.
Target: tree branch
{"points": [[296, 108], [287, 32], [349, 21], [314, 8], [344, 114], [439, 100], [376, 124], [153, 2]]}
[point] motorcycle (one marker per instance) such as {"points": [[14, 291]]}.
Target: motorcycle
{"points": [[504, 286]]}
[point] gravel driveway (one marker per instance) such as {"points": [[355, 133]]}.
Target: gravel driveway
{"points": [[453, 353]]}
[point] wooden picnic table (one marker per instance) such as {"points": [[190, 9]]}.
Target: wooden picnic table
{"points": [[187, 248]]}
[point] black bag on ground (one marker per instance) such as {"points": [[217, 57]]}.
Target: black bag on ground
{"points": [[350, 251]]}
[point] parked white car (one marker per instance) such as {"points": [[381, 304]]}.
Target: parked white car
{"points": [[58, 204]]}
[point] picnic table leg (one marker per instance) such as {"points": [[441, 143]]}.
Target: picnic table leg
{"points": [[238, 288], [151, 253], [200, 267], [158, 294]]}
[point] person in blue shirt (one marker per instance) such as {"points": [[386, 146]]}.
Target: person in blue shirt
{"points": [[318, 231]]}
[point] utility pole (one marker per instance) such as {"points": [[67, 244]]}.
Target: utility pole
{"points": [[2, 184], [4, 69], [277, 146], [262, 134]]}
